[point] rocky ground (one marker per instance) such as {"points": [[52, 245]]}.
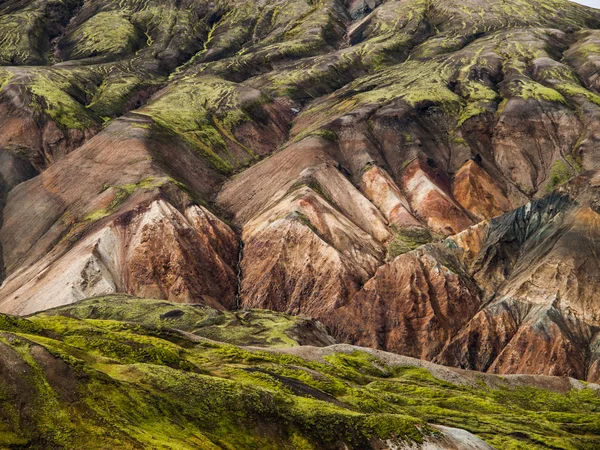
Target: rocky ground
{"points": [[420, 176]]}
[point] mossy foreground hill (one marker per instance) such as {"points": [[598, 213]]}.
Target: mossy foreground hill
{"points": [[88, 377], [420, 176]]}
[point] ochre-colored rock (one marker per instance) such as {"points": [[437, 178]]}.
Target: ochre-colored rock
{"points": [[429, 197], [478, 193]]}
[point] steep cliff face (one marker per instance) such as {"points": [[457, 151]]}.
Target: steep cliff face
{"points": [[516, 294], [388, 167]]}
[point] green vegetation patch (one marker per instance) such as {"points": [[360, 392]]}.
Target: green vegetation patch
{"points": [[326, 134], [50, 95], [527, 89], [128, 384], [480, 99], [117, 90], [106, 33], [5, 77], [562, 171], [404, 241], [254, 327], [132, 385], [204, 111], [122, 193], [20, 36]]}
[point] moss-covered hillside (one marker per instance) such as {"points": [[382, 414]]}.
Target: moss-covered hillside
{"points": [[87, 377], [421, 176]]}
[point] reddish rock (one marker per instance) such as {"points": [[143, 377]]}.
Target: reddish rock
{"points": [[428, 194], [478, 193], [189, 258], [381, 190], [303, 256], [412, 306], [150, 251]]}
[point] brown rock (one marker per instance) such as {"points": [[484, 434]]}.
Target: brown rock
{"points": [[303, 256], [150, 251], [428, 193], [381, 190], [412, 306], [526, 140], [478, 193], [189, 258]]}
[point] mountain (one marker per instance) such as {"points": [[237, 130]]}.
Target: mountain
{"points": [[421, 177], [120, 372]]}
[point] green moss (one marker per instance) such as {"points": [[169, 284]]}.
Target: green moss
{"points": [[149, 385], [204, 112], [357, 365], [106, 33], [386, 426], [436, 94], [51, 417], [117, 89], [95, 216], [420, 84], [531, 90], [560, 173], [404, 241], [9, 323], [11, 439], [574, 90], [588, 47], [122, 193], [575, 162], [19, 35], [5, 77], [479, 100], [132, 349], [326, 134], [50, 96], [255, 327]]}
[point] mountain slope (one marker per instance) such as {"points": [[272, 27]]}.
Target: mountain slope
{"points": [[377, 165], [86, 376], [526, 284]]}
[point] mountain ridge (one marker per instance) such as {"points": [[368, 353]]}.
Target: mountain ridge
{"points": [[372, 164]]}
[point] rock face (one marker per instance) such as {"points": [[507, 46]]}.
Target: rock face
{"points": [[513, 295], [477, 192], [412, 306], [422, 177], [543, 299], [187, 256]]}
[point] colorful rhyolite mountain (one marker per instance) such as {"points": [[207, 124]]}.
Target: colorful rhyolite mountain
{"points": [[421, 177]]}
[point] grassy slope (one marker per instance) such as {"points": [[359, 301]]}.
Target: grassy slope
{"points": [[109, 383]]}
